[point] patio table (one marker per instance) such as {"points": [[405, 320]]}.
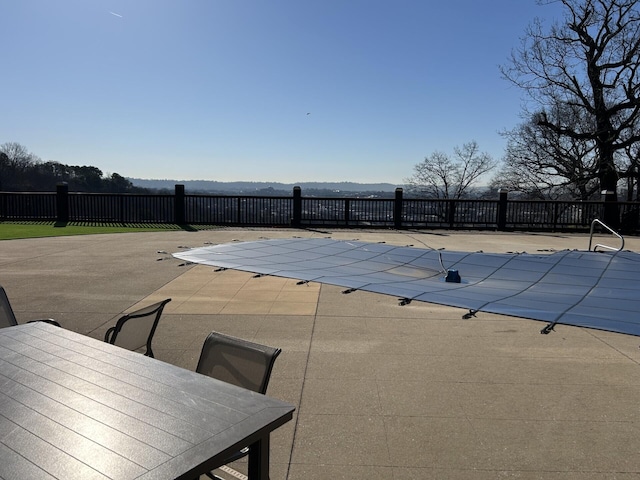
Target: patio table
{"points": [[74, 407]]}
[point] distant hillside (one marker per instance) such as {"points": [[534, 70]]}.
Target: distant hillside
{"points": [[251, 187]]}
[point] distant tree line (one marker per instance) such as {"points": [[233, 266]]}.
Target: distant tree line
{"points": [[21, 170]]}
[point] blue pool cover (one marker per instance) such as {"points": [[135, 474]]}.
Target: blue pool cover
{"points": [[582, 288]]}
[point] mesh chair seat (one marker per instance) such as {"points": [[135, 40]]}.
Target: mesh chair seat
{"points": [[8, 318], [239, 362], [135, 330]]}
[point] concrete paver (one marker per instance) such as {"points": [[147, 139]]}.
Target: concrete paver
{"points": [[381, 390]]}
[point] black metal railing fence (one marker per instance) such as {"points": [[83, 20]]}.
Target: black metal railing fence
{"points": [[299, 211], [135, 208], [237, 210]]}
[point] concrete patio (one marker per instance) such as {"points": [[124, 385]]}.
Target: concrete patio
{"points": [[381, 390]]}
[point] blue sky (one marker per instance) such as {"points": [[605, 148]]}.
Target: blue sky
{"points": [[258, 90]]}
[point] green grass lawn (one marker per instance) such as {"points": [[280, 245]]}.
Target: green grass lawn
{"points": [[13, 230]]}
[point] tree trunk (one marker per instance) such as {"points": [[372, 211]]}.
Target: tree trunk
{"points": [[608, 177]]}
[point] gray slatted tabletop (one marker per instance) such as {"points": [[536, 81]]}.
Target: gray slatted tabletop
{"points": [[74, 407]]}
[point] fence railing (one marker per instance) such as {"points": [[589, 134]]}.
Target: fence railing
{"points": [[299, 211], [237, 210], [28, 206]]}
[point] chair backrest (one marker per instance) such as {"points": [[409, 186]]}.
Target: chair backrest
{"points": [[237, 361], [7, 317], [135, 330]]}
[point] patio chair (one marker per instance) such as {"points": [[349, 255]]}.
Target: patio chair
{"points": [[239, 362], [135, 330], [8, 318]]}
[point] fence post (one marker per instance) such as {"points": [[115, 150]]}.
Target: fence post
{"points": [[297, 207], [397, 210], [179, 205], [502, 210], [62, 202], [347, 211], [451, 213]]}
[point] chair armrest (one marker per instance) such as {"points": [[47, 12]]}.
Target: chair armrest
{"points": [[107, 336], [46, 320]]}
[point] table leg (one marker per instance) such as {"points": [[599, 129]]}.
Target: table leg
{"points": [[259, 459]]}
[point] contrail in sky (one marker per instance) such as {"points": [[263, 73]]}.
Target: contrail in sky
{"points": [[116, 14]]}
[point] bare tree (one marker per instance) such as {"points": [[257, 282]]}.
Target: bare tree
{"points": [[589, 61], [15, 161], [18, 156], [442, 177], [631, 172], [540, 163]]}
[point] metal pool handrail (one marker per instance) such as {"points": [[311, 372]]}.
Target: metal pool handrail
{"points": [[607, 247]]}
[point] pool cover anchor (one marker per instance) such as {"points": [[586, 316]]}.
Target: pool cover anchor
{"points": [[549, 328]]}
